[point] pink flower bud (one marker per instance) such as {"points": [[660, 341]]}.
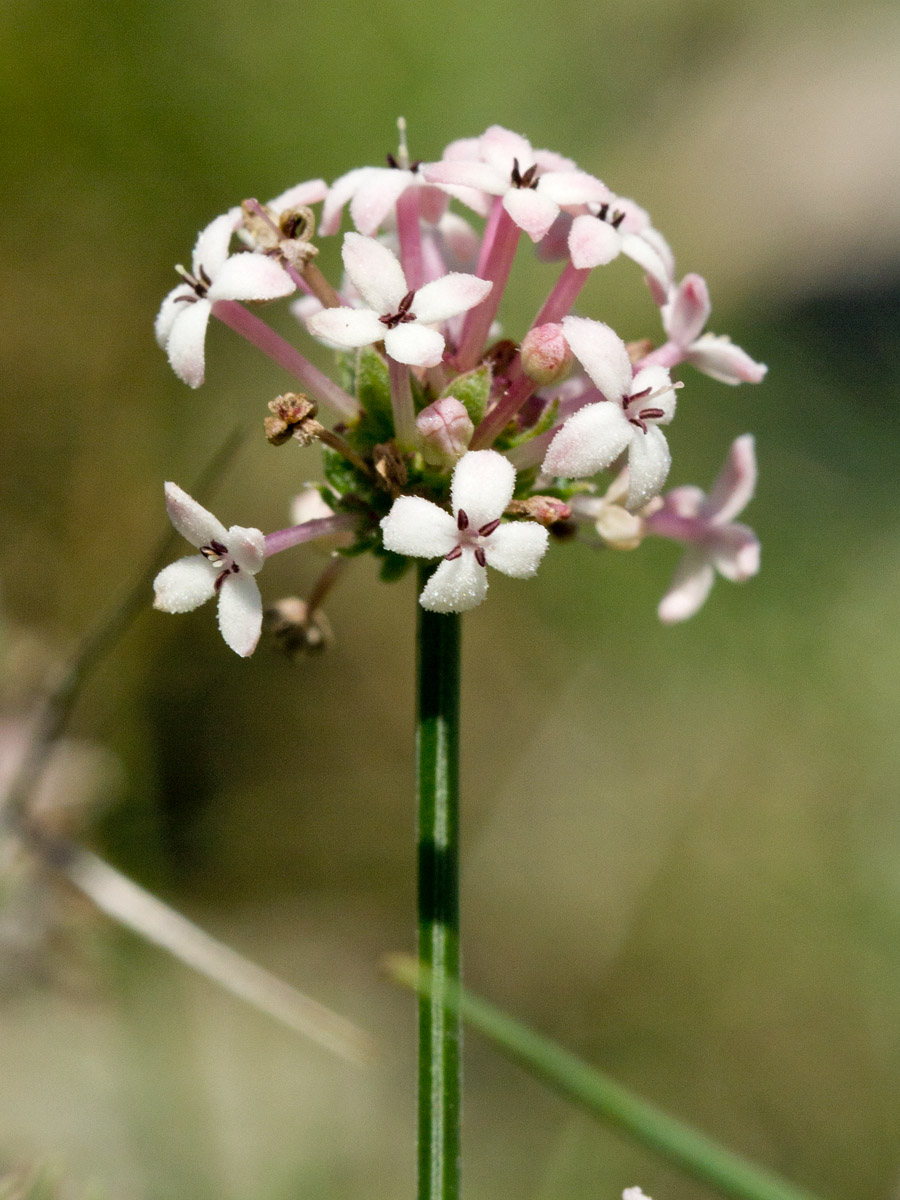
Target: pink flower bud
{"points": [[445, 430], [546, 357]]}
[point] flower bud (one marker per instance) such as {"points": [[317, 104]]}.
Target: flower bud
{"points": [[546, 357], [445, 430]]}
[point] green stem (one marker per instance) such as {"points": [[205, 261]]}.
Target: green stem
{"points": [[567, 1074], [437, 749]]}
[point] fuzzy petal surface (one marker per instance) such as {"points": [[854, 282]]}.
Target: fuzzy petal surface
{"points": [[376, 197], [735, 552], [456, 586], [499, 146], [247, 547], [717, 356], [240, 613], [170, 310], [662, 394], [590, 441], [251, 277], [593, 243], [416, 527], [570, 188], [649, 461], [735, 484], [639, 250], [516, 548], [211, 248], [346, 326], [483, 483], [449, 296], [531, 210], [602, 353], [476, 175], [689, 588], [414, 344], [187, 340], [338, 194], [375, 273], [184, 585], [689, 311], [195, 523]]}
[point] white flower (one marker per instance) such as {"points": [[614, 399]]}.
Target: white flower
{"points": [[628, 419], [373, 192], [396, 315], [225, 566], [472, 538], [182, 319], [619, 226], [715, 541], [534, 184], [684, 317]]}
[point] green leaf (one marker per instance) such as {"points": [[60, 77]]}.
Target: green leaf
{"points": [[373, 390], [472, 389]]}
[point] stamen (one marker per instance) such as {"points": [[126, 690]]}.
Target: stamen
{"points": [[402, 316], [480, 557], [649, 413], [487, 530], [642, 425], [462, 519], [617, 220], [454, 553]]}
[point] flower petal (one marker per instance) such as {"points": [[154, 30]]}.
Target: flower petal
{"points": [[456, 586], [346, 326], [717, 356], [688, 312], [662, 394], [649, 461], [735, 552], [499, 146], [590, 441], [414, 344], [449, 296], [639, 250], [375, 273], [593, 243], [302, 194], [602, 353], [689, 588], [211, 248], [476, 175], [187, 337], [531, 211], [483, 483], [736, 482], [377, 195], [184, 585], [570, 188], [240, 613], [516, 548], [251, 277], [419, 528], [247, 547], [194, 522], [338, 195]]}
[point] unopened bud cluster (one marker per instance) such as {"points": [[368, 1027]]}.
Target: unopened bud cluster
{"points": [[444, 436]]}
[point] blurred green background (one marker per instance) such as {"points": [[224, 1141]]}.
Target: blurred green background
{"points": [[681, 846]]}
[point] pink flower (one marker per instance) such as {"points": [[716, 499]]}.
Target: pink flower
{"points": [[373, 192], [684, 317], [618, 226], [715, 542], [182, 319], [402, 318], [628, 419], [534, 184], [225, 566], [470, 540]]}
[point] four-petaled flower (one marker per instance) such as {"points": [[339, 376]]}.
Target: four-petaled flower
{"points": [[225, 566], [684, 316], [627, 419], [373, 193], [395, 314], [182, 319], [534, 184], [715, 541], [470, 540], [619, 226]]}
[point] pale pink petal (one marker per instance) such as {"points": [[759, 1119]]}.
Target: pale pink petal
{"points": [[531, 211], [517, 548], [375, 272], [376, 196], [346, 326], [639, 250], [735, 552], [636, 219], [549, 160], [483, 483], [499, 146], [649, 461], [717, 356], [570, 188], [593, 243], [662, 393], [463, 150], [338, 195], [299, 196], [734, 487], [414, 344], [184, 585], [459, 240], [448, 297], [602, 353], [456, 586], [194, 522], [247, 547], [432, 204], [170, 309], [211, 248], [240, 613], [187, 337], [590, 441], [251, 277], [419, 528], [308, 505], [689, 588], [474, 175], [689, 310], [684, 502]]}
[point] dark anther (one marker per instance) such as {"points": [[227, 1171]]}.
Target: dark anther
{"points": [[618, 219], [462, 520], [640, 395], [214, 550], [414, 166], [454, 553], [402, 316], [204, 277], [392, 162], [604, 209], [642, 425], [222, 576], [523, 179], [187, 299], [487, 530], [480, 556], [648, 413]]}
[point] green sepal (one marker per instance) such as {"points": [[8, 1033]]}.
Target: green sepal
{"points": [[346, 370], [547, 420], [393, 566], [373, 390], [525, 481], [473, 390]]}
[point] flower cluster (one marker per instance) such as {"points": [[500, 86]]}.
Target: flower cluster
{"points": [[443, 437]]}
